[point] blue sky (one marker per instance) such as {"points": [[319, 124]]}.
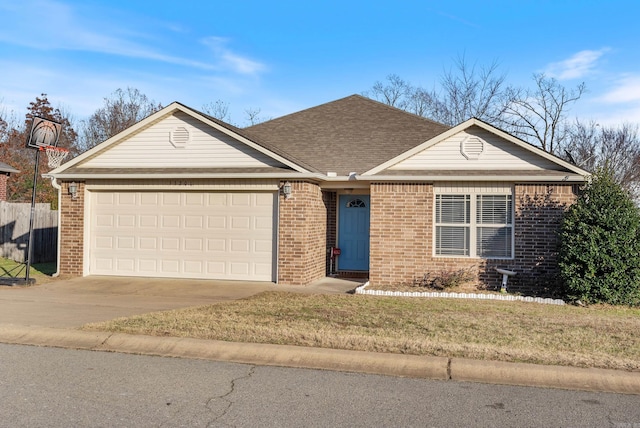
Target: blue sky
{"points": [[284, 56]]}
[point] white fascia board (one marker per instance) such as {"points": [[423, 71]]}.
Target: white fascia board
{"points": [[167, 111], [467, 124], [569, 178], [154, 176]]}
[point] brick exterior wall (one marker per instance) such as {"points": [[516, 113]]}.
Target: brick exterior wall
{"points": [[402, 237], [401, 232], [3, 186], [302, 235], [72, 231]]}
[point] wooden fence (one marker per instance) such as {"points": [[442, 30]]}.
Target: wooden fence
{"points": [[14, 232]]}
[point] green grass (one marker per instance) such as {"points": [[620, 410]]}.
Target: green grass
{"points": [[598, 336], [41, 272]]}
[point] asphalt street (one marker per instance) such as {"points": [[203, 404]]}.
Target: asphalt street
{"points": [[60, 387]]}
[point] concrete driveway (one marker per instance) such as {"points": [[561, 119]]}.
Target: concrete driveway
{"points": [[65, 303]]}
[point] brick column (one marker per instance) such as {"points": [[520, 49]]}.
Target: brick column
{"points": [[302, 235], [72, 231], [3, 186]]}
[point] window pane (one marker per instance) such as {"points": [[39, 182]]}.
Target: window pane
{"points": [[493, 242], [452, 240], [453, 209], [493, 209]]}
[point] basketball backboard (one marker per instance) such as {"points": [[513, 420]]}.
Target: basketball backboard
{"points": [[44, 132]]}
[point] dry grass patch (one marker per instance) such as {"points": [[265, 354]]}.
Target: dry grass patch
{"points": [[599, 336]]}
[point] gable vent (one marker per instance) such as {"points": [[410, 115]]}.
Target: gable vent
{"points": [[179, 137], [472, 147]]}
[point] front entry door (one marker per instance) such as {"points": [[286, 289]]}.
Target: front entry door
{"points": [[353, 232]]}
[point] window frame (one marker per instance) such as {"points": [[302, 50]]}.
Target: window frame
{"points": [[473, 225]]}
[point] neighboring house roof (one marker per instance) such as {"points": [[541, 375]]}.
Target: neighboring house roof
{"points": [[352, 134], [7, 169]]}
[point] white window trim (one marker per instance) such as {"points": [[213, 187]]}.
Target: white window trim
{"points": [[473, 191]]}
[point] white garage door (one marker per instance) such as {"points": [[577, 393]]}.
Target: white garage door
{"points": [[215, 235]]}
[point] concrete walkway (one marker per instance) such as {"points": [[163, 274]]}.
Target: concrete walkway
{"points": [[50, 314]]}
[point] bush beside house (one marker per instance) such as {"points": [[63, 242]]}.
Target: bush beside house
{"points": [[600, 245]]}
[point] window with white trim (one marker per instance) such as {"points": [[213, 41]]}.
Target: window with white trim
{"points": [[474, 225]]}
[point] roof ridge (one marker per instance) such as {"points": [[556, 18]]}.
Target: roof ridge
{"points": [[352, 96], [401, 110]]}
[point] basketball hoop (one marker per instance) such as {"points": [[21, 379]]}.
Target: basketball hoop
{"points": [[55, 155]]}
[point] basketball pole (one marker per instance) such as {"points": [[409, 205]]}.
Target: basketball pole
{"points": [[32, 216]]}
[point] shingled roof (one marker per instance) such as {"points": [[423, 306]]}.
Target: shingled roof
{"points": [[352, 134]]}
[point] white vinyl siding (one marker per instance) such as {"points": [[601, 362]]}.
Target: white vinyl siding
{"points": [[207, 148], [497, 154], [471, 223]]}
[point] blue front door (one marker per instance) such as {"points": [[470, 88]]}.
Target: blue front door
{"points": [[353, 232]]}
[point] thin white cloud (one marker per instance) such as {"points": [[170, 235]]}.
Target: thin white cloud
{"points": [[229, 59], [577, 66], [52, 25], [626, 90]]}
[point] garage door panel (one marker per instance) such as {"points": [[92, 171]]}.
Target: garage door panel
{"points": [[171, 199], [148, 266], [125, 265], [145, 243], [148, 221], [126, 198], [171, 221], [217, 235], [125, 242], [193, 244]]}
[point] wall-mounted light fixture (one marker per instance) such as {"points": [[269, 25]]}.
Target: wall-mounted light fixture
{"points": [[73, 189], [286, 190]]}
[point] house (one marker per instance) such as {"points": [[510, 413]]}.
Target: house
{"points": [[5, 172], [181, 194]]}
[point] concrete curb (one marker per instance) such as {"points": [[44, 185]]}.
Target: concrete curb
{"points": [[602, 380], [441, 368]]}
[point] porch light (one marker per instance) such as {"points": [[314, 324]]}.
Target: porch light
{"points": [[73, 189], [286, 190]]}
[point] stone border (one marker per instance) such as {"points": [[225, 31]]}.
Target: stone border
{"points": [[506, 297]]}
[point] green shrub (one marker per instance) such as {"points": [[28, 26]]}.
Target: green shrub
{"points": [[599, 255]]}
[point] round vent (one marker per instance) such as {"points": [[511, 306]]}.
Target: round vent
{"points": [[472, 147], [179, 137]]}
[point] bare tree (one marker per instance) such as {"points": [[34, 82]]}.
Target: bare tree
{"points": [[120, 111], [394, 92], [465, 91], [218, 109], [538, 115], [470, 91], [253, 116], [4, 125], [615, 149]]}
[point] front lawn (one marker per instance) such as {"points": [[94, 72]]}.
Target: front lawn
{"points": [[597, 336]]}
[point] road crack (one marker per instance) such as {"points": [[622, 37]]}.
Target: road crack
{"points": [[225, 398]]}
